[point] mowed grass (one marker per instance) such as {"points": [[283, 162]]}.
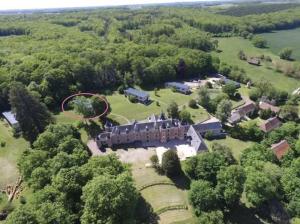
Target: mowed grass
{"points": [[278, 40], [160, 196], [237, 146], [122, 108], [230, 48], [9, 155]]}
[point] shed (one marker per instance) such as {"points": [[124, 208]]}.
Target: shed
{"points": [[11, 119], [141, 96]]}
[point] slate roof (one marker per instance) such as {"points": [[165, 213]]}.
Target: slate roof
{"points": [[196, 140], [178, 85], [208, 125], [136, 92], [281, 148], [270, 124], [10, 117], [226, 81], [154, 122], [266, 106]]}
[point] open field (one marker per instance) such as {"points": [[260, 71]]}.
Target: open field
{"points": [[230, 48], [9, 154], [278, 40]]}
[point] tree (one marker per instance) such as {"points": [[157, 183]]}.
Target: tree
{"points": [[32, 115], [83, 105], [173, 110], [286, 53], [224, 110], [256, 153], [204, 99], [208, 166], [202, 196], [213, 217], [231, 184], [242, 55], [22, 215], [109, 200], [229, 89], [185, 116], [259, 42], [170, 163], [259, 187], [289, 113]]}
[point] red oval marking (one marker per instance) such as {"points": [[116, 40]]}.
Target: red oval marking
{"points": [[84, 94]]}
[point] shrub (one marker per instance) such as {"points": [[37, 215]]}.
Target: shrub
{"points": [[170, 163], [132, 99], [193, 103], [2, 144], [286, 53], [265, 114], [208, 85], [209, 135], [154, 160], [121, 89]]}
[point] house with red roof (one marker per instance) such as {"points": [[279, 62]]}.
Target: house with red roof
{"points": [[280, 149], [270, 124]]}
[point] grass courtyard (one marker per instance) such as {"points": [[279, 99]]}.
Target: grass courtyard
{"points": [[229, 50]]}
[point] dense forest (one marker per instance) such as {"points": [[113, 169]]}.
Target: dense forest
{"points": [[100, 50]]}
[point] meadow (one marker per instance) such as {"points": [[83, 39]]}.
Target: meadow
{"points": [[278, 40], [229, 48]]}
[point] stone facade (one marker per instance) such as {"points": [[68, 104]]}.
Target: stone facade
{"points": [[154, 129]]}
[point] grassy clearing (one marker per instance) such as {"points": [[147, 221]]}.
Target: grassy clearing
{"points": [[278, 40], [136, 111], [237, 146], [9, 154], [230, 48]]}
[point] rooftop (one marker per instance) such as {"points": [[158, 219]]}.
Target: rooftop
{"points": [[10, 117], [137, 92], [281, 148], [266, 106], [270, 124], [178, 85]]}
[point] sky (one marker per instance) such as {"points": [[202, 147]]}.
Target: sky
{"points": [[38, 4]]}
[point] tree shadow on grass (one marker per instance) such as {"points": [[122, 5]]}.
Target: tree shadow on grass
{"points": [[144, 212], [181, 181], [241, 212]]}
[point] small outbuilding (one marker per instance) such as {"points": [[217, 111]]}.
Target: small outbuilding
{"points": [[265, 106], [141, 96], [11, 119], [182, 88], [270, 124], [281, 148], [254, 61]]}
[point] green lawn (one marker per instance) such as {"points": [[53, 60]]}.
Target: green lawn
{"points": [[237, 146], [278, 40], [160, 196], [230, 48], [122, 109], [9, 154]]}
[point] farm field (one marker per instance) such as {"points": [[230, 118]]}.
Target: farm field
{"points": [[229, 50], [278, 40]]}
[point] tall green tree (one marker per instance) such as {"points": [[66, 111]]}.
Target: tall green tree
{"points": [[109, 200], [32, 115], [224, 110]]}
